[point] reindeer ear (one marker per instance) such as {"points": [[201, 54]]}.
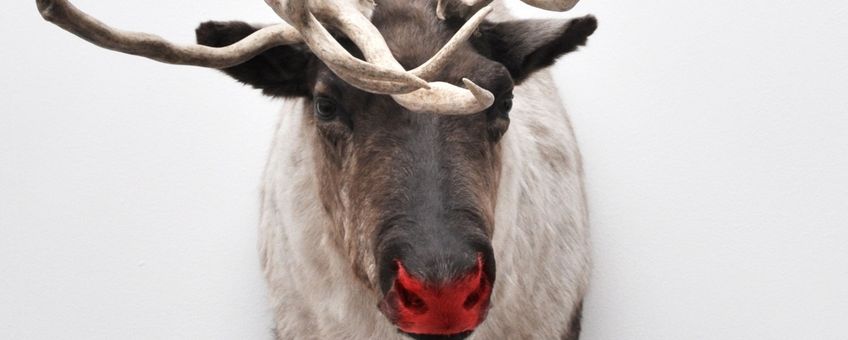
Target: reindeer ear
{"points": [[281, 71], [526, 46]]}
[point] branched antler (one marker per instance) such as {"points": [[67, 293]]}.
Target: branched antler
{"points": [[371, 77], [437, 97], [379, 73], [67, 16], [463, 8]]}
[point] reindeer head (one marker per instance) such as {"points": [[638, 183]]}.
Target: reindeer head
{"points": [[408, 162]]}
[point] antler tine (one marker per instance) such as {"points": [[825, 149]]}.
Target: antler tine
{"points": [[357, 72], [359, 29], [552, 5], [447, 99], [429, 69], [382, 74], [439, 97], [68, 17], [367, 76], [462, 8]]}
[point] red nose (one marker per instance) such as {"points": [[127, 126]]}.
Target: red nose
{"points": [[418, 307]]}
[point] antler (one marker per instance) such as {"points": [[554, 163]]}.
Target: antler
{"points": [[67, 16], [461, 8], [436, 97], [366, 76], [452, 101], [380, 74], [552, 5]]}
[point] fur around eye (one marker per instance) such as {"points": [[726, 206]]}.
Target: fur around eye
{"points": [[325, 108]]}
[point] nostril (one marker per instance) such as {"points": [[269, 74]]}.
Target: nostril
{"points": [[481, 286], [410, 300], [472, 299]]}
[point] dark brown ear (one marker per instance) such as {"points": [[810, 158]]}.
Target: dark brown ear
{"points": [[282, 71], [526, 46]]}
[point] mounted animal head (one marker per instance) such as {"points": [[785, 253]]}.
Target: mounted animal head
{"points": [[408, 162]]}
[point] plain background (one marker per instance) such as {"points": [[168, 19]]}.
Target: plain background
{"points": [[715, 143]]}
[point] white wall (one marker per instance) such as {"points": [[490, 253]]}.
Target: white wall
{"points": [[714, 136]]}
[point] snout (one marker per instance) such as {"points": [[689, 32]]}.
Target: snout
{"points": [[439, 308]]}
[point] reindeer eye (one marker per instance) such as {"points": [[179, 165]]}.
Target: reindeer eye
{"points": [[325, 108], [506, 105]]}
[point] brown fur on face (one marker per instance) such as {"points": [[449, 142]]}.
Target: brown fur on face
{"points": [[389, 166], [381, 165]]}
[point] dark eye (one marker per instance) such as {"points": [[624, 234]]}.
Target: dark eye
{"points": [[325, 108], [506, 105]]}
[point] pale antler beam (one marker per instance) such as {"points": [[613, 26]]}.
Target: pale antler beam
{"points": [[68, 17]]}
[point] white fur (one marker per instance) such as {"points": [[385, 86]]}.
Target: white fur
{"points": [[540, 238]]}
